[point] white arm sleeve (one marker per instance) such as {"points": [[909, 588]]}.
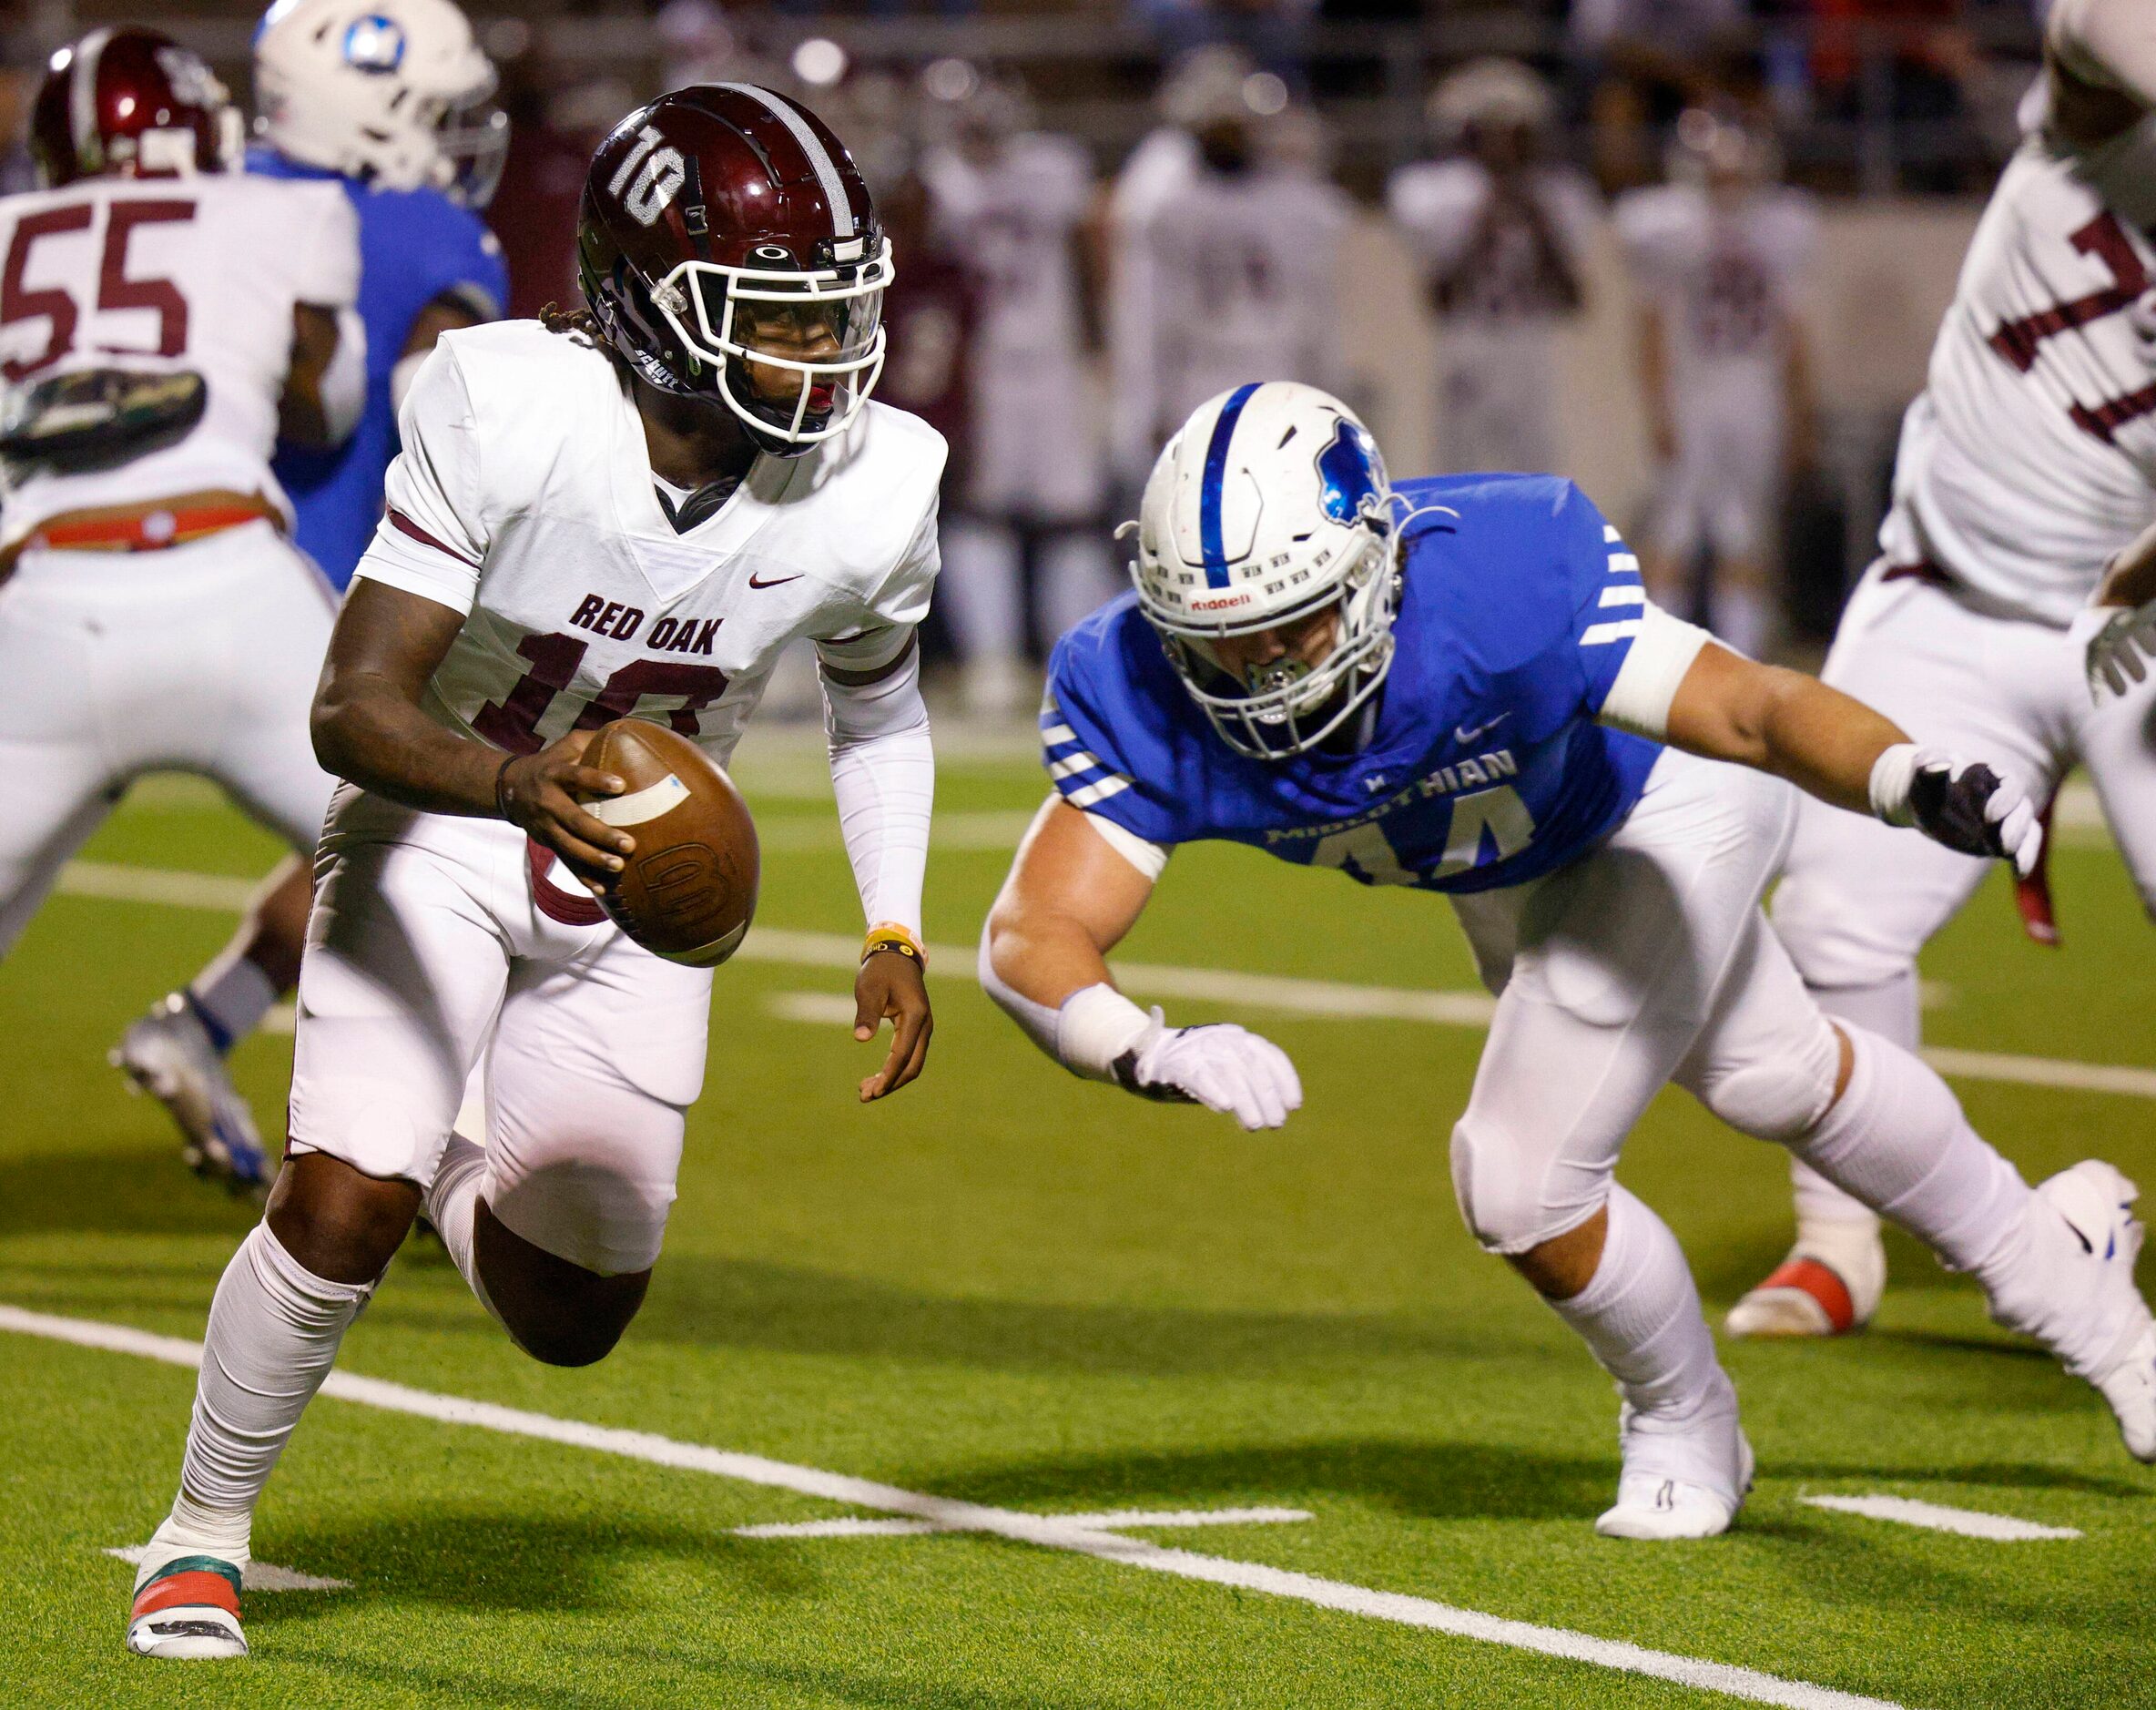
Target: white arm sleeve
{"points": [[432, 538], [1094, 1028], [883, 774], [2109, 43], [1660, 654], [1150, 858]]}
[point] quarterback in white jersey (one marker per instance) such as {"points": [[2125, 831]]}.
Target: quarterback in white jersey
{"points": [[2025, 467], [1014, 205], [1717, 256], [623, 514], [166, 319], [1501, 234]]}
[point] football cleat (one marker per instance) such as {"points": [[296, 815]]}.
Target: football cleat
{"points": [[1828, 1285], [1682, 1481], [2093, 1317], [188, 1609], [169, 1054]]}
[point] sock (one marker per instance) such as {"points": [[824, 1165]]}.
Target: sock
{"points": [[1640, 1316], [274, 1327], [1827, 1218], [1896, 1140], [452, 1207], [229, 998]]}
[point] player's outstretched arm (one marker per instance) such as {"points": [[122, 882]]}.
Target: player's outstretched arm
{"points": [[1729, 707], [1070, 897], [369, 727]]}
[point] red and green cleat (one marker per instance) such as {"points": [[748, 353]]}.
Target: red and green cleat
{"points": [[188, 1608]]}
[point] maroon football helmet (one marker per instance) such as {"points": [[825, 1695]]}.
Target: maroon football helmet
{"points": [[729, 250], [130, 104]]}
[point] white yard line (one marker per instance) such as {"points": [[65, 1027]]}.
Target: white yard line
{"points": [[1324, 999], [256, 1576], [1049, 1533], [1966, 1523], [820, 1009], [1114, 1520]]}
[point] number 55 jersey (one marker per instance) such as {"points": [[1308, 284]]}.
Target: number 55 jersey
{"points": [[163, 275], [525, 498], [2030, 457]]}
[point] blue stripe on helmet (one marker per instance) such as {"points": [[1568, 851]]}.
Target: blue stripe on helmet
{"points": [[1224, 430]]}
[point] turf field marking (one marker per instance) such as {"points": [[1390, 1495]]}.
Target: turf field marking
{"points": [[1048, 1532], [821, 1009], [1968, 1523], [1113, 1520], [1330, 999], [256, 1576]]}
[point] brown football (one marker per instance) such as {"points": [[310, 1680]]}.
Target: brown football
{"points": [[689, 891]]}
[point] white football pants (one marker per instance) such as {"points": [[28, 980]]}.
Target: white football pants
{"points": [[199, 658], [434, 948], [1646, 962], [1859, 899]]}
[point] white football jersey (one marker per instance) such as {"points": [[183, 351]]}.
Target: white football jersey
{"points": [[167, 274], [523, 498], [1224, 279], [1011, 221], [1485, 259], [2029, 458], [1727, 277]]}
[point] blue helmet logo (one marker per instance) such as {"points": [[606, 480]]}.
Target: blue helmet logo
{"points": [[375, 44], [1349, 473]]}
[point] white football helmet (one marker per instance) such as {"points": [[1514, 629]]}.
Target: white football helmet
{"points": [[395, 92], [1269, 503]]}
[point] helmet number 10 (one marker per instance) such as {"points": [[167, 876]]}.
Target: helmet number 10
{"points": [[650, 175]]}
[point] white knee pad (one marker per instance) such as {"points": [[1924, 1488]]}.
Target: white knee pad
{"points": [[1782, 1095], [1509, 1203]]}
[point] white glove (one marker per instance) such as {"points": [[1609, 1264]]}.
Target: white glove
{"points": [[1223, 1067], [1966, 805]]}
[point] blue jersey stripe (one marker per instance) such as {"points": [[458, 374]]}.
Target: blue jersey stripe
{"points": [[1224, 430]]}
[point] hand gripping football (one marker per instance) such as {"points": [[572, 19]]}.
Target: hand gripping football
{"points": [[689, 891]]}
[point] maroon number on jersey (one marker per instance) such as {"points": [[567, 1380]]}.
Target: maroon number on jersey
{"points": [[2019, 342], [513, 722], [116, 290]]}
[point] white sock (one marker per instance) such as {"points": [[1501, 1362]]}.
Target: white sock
{"points": [[1640, 1316], [274, 1327], [1896, 1140], [1826, 1216], [231, 996], [452, 1207]]}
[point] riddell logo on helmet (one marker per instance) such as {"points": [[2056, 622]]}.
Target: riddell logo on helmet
{"points": [[1225, 601]]}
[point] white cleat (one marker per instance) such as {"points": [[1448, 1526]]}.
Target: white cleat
{"points": [[1830, 1285], [2102, 1330], [169, 1054], [187, 1610], [1687, 1482]]}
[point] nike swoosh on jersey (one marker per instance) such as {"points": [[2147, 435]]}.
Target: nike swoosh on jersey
{"points": [[781, 582], [1460, 733]]}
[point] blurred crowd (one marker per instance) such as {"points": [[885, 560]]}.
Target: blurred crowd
{"points": [[1062, 301]]}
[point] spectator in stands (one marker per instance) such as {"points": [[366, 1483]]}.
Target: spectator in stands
{"points": [[1501, 232], [1014, 203], [1718, 257], [1225, 267], [1922, 91]]}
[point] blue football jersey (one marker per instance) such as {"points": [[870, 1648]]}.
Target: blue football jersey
{"points": [[1485, 768], [415, 246]]}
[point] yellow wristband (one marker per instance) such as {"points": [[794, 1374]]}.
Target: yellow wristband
{"points": [[889, 936]]}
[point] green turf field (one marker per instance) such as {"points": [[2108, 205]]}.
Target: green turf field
{"points": [[1012, 1289]]}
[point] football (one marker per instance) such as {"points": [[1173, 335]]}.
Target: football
{"points": [[689, 891]]}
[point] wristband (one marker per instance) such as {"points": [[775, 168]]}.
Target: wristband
{"points": [[501, 791], [1893, 773], [887, 937], [1097, 1027]]}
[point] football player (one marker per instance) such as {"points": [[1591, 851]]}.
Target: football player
{"points": [[166, 318], [625, 512], [1717, 254], [1016, 202], [1502, 234], [388, 102], [1460, 684], [2027, 463]]}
